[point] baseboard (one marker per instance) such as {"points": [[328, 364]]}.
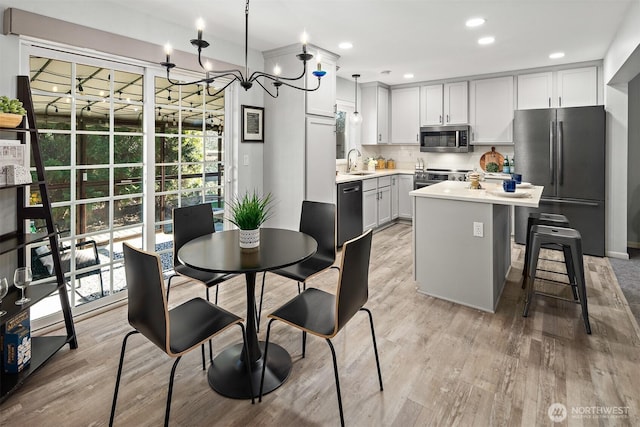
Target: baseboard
{"points": [[619, 255], [634, 245]]}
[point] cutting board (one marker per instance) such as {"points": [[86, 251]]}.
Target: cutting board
{"points": [[491, 156]]}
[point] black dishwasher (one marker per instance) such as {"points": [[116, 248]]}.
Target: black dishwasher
{"points": [[349, 211]]}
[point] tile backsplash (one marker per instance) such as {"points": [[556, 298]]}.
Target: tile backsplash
{"points": [[406, 155]]}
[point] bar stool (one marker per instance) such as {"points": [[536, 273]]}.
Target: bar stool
{"points": [[571, 243], [540, 218]]}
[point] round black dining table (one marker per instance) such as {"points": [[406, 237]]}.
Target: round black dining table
{"points": [[220, 252]]}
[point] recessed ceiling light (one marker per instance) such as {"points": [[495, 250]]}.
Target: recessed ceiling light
{"points": [[486, 40], [556, 55], [408, 76], [345, 45], [475, 22]]}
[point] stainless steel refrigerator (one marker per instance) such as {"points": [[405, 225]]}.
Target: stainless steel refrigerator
{"points": [[564, 150]]}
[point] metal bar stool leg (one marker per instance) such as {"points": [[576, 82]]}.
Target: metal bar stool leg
{"points": [[531, 273], [581, 284], [571, 271]]}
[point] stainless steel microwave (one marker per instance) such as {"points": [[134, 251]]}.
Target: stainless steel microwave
{"points": [[445, 139]]}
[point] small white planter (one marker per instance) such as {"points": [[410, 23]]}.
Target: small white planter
{"points": [[249, 238]]}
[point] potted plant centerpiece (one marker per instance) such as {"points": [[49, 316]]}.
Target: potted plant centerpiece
{"points": [[11, 112], [248, 213]]}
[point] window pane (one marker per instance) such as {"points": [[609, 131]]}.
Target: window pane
{"points": [[128, 180], [164, 206], [127, 149], [52, 112], [92, 183], [192, 149], [127, 212], [128, 86], [92, 149], [92, 81], [166, 93], [191, 198], [166, 178], [192, 122], [55, 149], [92, 217], [50, 75], [127, 117], [191, 96], [59, 185], [166, 149], [92, 115], [192, 171]]}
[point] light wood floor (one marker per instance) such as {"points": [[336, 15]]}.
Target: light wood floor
{"points": [[442, 363]]}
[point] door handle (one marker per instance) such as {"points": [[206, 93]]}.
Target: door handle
{"points": [[351, 190], [440, 118], [551, 128], [560, 149], [569, 202]]}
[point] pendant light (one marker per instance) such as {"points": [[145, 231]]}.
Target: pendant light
{"points": [[356, 118]]}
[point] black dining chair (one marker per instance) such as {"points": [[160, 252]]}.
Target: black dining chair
{"points": [[318, 220], [323, 314], [190, 222], [176, 331]]}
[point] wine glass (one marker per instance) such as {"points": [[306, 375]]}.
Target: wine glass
{"points": [[21, 278], [4, 288]]}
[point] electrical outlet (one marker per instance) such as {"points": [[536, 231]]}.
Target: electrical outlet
{"points": [[478, 229]]}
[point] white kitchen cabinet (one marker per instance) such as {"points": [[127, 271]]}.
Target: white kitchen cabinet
{"points": [[376, 202], [446, 104], [575, 87], [395, 193], [322, 102], [375, 114], [535, 90], [405, 185], [431, 105], [320, 132], [405, 115], [491, 111], [456, 103]]}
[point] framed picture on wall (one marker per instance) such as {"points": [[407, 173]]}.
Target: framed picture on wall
{"points": [[252, 124]]}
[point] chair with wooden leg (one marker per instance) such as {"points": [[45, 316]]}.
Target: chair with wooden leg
{"points": [[322, 314], [176, 331]]}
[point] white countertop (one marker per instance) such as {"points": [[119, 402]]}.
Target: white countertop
{"points": [[490, 193], [342, 177]]}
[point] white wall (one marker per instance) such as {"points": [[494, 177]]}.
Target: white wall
{"points": [[620, 67], [633, 180]]}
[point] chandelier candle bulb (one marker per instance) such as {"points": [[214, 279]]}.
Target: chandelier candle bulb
{"points": [[200, 27]]}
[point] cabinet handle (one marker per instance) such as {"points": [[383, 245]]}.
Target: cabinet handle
{"points": [[417, 137], [440, 118], [379, 137], [559, 101], [447, 118], [549, 102]]}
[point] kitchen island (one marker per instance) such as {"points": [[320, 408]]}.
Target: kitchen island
{"points": [[462, 240]]}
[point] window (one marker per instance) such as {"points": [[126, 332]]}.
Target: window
{"points": [[99, 139]]}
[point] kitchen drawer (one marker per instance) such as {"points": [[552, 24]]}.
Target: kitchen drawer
{"points": [[370, 184], [384, 181]]}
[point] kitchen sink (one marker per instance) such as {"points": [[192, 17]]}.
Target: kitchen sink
{"points": [[361, 173]]}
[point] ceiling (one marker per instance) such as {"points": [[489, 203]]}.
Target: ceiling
{"points": [[425, 37]]}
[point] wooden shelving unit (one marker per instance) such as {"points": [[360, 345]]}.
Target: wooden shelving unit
{"points": [[42, 348]]}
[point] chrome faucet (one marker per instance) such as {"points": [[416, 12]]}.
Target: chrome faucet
{"points": [[349, 165]]}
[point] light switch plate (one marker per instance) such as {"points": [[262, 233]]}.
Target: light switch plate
{"points": [[245, 160]]}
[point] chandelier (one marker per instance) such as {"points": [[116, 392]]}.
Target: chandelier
{"points": [[245, 79]]}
